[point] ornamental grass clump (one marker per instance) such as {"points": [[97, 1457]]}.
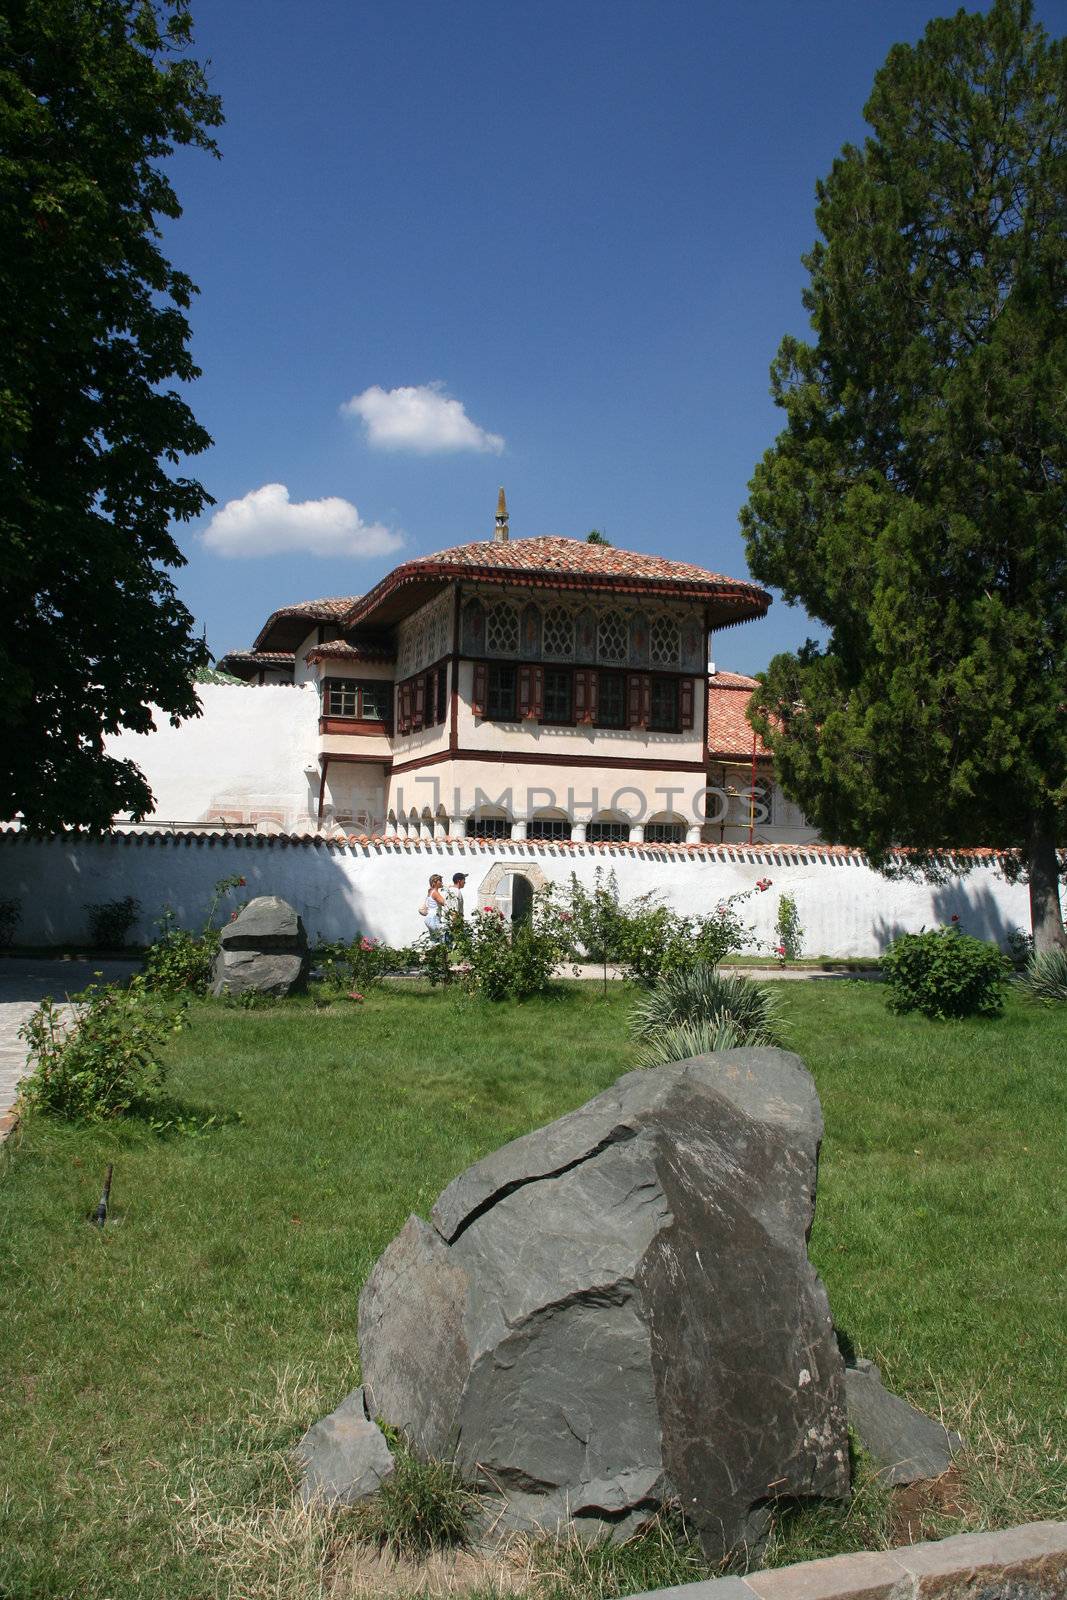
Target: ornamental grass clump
{"points": [[944, 974], [421, 1507], [692, 1012], [1044, 977]]}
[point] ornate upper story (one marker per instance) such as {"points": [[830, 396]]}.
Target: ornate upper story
{"points": [[539, 635]]}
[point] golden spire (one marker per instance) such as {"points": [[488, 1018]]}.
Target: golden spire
{"points": [[500, 532]]}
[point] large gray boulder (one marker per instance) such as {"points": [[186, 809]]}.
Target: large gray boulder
{"points": [[619, 1309], [264, 950]]}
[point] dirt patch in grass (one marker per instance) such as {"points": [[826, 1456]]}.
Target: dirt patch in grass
{"points": [[920, 1511]]}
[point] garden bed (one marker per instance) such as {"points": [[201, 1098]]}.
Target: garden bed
{"points": [[158, 1372]]}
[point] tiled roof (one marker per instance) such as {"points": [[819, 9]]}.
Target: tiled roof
{"points": [[730, 734], [570, 563], [732, 680], [242, 662], [573, 557], [329, 609], [341, 650]]}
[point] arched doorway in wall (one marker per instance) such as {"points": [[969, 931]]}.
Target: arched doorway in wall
{"points": [[521, 897], [509, 887]]}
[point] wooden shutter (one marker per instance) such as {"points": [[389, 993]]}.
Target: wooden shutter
{"points": [[419, 716], [537, 694], [592, 694], [635, 713], [581, 696], [685, 700], [646, 699], [525, 693], [480, 691], [404, 706]]}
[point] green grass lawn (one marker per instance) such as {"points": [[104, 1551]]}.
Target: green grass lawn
{"points": [[156, 1374]]}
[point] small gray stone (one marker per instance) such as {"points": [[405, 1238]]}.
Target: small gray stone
{"points": [[904, 1444], [345, 1456]]}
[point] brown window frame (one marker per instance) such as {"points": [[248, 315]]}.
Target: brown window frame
{"points": [[358, 688]]}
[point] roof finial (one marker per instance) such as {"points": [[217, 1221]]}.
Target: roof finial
{"points": [[500, 532]]}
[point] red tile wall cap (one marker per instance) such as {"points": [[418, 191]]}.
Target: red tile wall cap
{"points": [[341, 650]]}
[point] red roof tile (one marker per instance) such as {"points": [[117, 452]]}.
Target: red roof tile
{"points": [[730, 734], [329, 609], [241, 662], [570, 563], [341, 650]]}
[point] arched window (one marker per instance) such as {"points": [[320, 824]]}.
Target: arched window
{"points": [[664, 643], [549, 825], [558, 635], [608, 829], [665, 828], [612, 637], [488, 824], [502, 630]]}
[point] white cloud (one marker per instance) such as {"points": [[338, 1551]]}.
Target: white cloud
{"points": [[265, 522], [421, 418]]}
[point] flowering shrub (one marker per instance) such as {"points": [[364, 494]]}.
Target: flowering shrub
{"points": [[353, 966], [647, 938], [104, 1057], [500, 959], [945, 973]]}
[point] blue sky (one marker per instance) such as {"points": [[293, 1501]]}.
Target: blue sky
{"points": [[582, 222]]}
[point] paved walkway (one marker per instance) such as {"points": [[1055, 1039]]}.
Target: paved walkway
{"points": [[24, 983]]}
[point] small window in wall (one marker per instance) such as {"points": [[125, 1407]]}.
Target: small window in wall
{"points": [[608, 833], [366, 700], [500, 694], [664, 643], [664, 714], [611, 701], [664, 832], [488, 828], [548, 828], [559, 700], [558, 635]]}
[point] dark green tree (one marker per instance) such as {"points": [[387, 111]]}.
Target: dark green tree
{"points": [[916, 502], [597, 536], [94, 96]]}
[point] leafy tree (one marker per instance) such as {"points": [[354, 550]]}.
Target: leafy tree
{"points": [[915, 502], [94, 95], [597, 536]]}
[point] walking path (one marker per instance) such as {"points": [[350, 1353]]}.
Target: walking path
{"points": [[24, 983]]}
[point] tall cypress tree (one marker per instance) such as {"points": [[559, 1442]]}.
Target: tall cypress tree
{"points": [[94, 95], [916, 501]]}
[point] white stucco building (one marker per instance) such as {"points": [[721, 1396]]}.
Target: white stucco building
{"points": [[542, 688]]}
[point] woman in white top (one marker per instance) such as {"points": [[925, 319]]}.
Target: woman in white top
{"points": [[434, 905]]}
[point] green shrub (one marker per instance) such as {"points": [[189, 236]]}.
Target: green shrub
{"points": [[356, 965], [790, 933], [421, 1507], [500, 959], [1045, 976], [647, 938], [180, 962], [721, 1011], [945, 973], [10, 917], [110, 921], [101, 1055]]}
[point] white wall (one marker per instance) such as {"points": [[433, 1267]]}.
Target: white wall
{"points": [[244, 757], [845, 908]]}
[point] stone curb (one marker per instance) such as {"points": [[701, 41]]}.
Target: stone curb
{"points": [[1023, 1563]]}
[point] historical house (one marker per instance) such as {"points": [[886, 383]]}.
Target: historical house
{"points": [[542, 688]]}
